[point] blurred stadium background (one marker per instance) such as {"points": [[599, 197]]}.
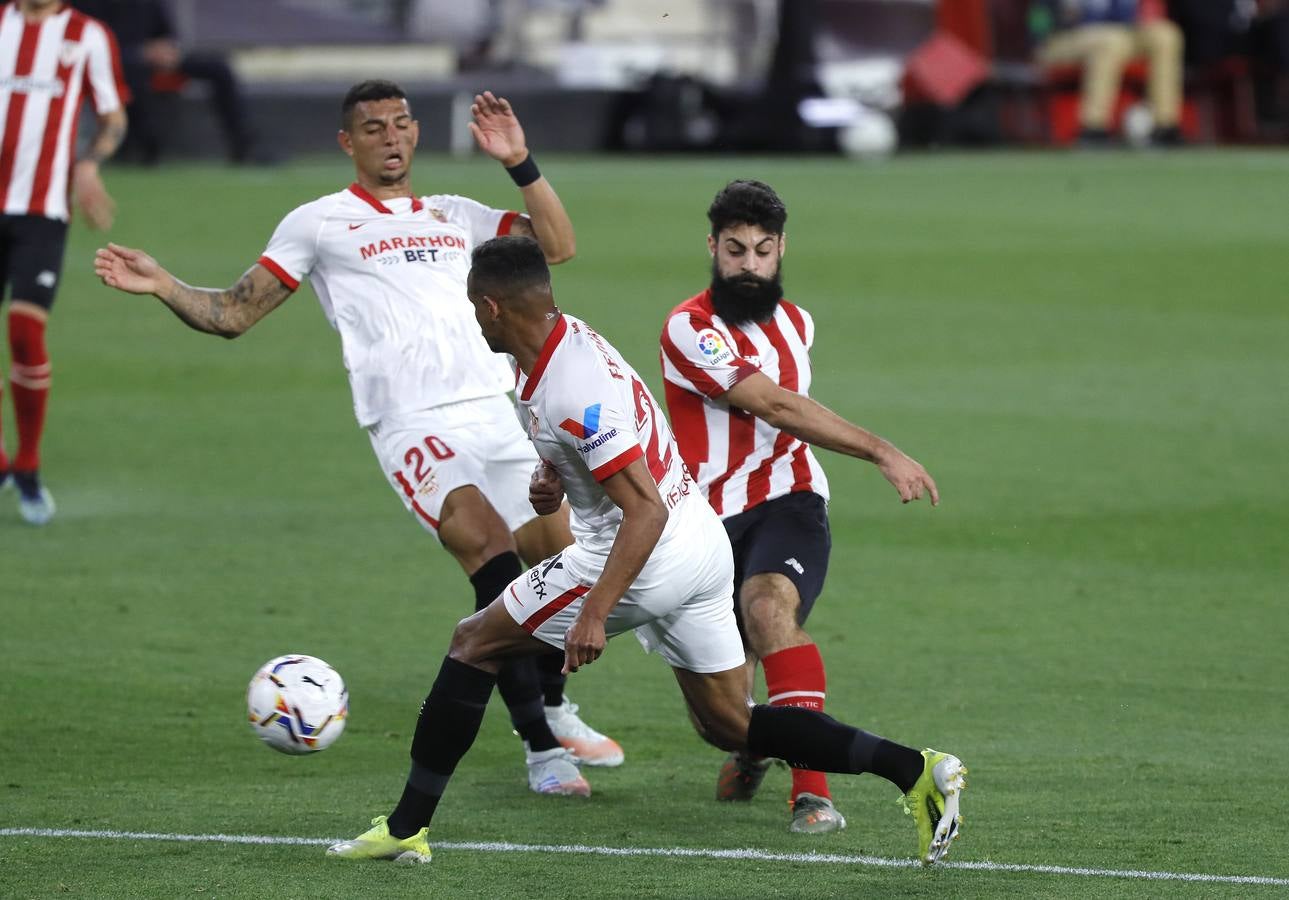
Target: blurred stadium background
{"points": [[1087, 350], [718, 75]]}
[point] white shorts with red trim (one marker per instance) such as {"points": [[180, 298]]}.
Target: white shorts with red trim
{"points": [[428, 454], [681, 606]]}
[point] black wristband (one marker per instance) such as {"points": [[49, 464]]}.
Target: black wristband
{"points": [[525, 173]]}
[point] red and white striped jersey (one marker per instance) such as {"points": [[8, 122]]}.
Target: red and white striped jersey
{"points": [[44, 69], [738, 460]]}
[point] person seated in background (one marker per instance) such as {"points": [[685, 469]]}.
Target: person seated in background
{"points": [[155, 62], [1255, 30], [1104, 36]]}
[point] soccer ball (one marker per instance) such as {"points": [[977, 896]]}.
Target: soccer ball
{"points": [[297, 704]]}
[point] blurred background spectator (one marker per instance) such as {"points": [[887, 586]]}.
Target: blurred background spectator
{"points": [[858, 76], [156, 64], [1103, 36], [1246, 33]]}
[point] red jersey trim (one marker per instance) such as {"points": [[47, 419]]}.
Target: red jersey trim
{"points": [[362, 194], [279, 273], [544, 358], [503, 227], [538, 619], [618, 463]]}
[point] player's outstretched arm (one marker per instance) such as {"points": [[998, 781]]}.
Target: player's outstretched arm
{"points": [[816, 424], [498, 133], [643, 518], [226, 313]]}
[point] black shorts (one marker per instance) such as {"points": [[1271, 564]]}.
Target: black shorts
{"points": [[788, 535], [31, 258]]}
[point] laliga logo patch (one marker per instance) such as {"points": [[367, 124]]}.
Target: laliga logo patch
{"points": [[712, 345], [589, 425], [438, 214]]}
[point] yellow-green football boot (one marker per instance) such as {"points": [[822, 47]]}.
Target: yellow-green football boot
{"points": [[377, 843], [934, 802]]}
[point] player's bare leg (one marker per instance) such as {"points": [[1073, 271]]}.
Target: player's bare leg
{"points": [[479, 539], [538, 539], [446, 729], [794, 674]]}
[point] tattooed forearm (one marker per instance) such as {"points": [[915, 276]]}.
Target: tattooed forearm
{"points": [[111, 131], [230, 312]]}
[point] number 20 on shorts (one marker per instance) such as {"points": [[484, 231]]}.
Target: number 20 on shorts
{"points": [[417, 466]]}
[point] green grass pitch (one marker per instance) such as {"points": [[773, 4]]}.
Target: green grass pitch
{"points": [[1089, 353]]}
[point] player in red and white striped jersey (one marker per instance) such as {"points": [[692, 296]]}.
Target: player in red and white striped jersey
{"points": [[50, 56], [649, 556], [389, 267], [736, 360]]}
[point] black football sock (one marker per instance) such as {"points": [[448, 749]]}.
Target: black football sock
{"points": [[447, 726], [806, 739], [518, 681], [551, 665]]}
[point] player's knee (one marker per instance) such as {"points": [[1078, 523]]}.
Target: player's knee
{"points": [[26, 338], [466, 645], [725, 728], [471, 530], [1162, 36], [768, 620], [1112, 45]]}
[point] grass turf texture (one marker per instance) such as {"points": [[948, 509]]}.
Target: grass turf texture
{"points": [[1088, 353]]}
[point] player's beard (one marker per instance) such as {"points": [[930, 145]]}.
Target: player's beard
{"points": [[746, 298]]}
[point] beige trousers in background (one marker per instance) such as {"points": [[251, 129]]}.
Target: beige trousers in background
{"points": [[1104, 50]]}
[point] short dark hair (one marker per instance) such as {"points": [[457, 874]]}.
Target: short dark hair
{"points": [[364, 91], [747, 203], [507, 266]]}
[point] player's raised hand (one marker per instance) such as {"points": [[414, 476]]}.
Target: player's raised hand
{"points": [[496, 130], [909, 478], [545, 489], [128, 270]]}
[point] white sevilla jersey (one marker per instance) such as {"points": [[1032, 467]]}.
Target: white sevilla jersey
{"points": [[590, 416], [390, 276], [44, 68], [739, 460]]}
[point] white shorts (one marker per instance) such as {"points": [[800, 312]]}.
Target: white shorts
{"points": [[681, 605], [428, 454]]}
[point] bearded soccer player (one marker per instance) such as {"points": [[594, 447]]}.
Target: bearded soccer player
{"points": [[389, 268], [736, 363], [649, 555], [50, 55]]}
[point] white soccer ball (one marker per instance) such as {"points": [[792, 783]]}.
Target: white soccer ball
{"points": [[297, 704]]}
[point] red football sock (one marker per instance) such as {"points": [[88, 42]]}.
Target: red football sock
{"points": [[795, 677], [29, 378]]}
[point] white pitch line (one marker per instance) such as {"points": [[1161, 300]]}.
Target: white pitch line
{"points": [[681, 852]]}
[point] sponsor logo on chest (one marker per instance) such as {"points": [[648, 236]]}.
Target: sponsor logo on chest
{"points": [[412, 248]]}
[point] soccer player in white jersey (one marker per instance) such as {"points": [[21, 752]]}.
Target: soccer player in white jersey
{"points": [[649, 555], [51, 56], [389, 268], [736, 364]]}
